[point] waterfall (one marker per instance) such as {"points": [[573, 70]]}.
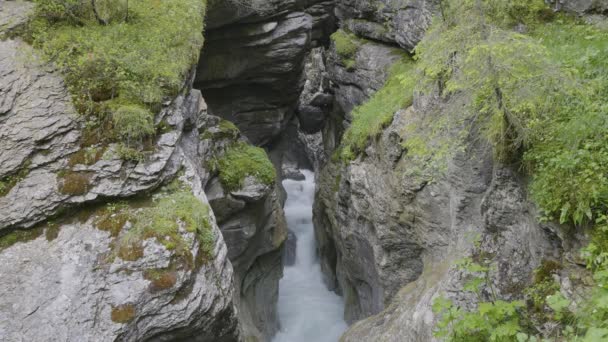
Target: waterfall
{"points": [[308, 311]]}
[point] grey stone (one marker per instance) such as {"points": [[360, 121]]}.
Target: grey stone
{"points": [[400, 22], [388, 240], [289, 252], [253, 225], [353, 86]]}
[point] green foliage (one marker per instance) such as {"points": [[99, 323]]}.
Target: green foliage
{"points": [[500, 12], [242, 160], [508, 75], [133, 123], [174, 212], [121, 67], [494, 320], [540, 99], [569, 154], [594, 314], [347, 45], [370, 118]]}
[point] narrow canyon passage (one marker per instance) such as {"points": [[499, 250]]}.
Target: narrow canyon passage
{"points": [[308, 311]]}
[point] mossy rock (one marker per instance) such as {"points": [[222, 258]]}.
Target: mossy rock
{"points": [[242, 160], [123, 313]]}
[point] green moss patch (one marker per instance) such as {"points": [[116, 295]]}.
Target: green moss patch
{"points": [[122, 61], [18, 236], [347, 45], [162, 221], [370, 118], [123, 313], [242, 160], [113, 218], [86, 156], [8, 182], [74, 183], [161, 279]]}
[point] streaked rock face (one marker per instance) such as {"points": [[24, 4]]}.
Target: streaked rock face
{"points": [[60, 277], [394, 22], [251, 68]]}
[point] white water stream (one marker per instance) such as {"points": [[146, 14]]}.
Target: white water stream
{"points": [[308, 311]]}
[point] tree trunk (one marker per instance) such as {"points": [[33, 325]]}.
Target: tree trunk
{"points": [[100, 20]]}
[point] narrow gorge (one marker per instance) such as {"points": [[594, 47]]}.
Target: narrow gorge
{"points": [[304, 170]]}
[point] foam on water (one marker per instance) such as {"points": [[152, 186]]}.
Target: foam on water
{"points": [[308, 311]]}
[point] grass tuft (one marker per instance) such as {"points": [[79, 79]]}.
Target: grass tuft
{"points": [[242, 160]]}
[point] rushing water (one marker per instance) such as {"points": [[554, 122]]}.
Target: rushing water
{"points": [[308, 311]]}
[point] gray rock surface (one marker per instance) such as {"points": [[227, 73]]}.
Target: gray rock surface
{"points": [[388, 240], [390, 21], [62, 290], [316, 101], [61, 285], [253, 225], [353, 86], [251, 68], [67, 287], [13, 14]]}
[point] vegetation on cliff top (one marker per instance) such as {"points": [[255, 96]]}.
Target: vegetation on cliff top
{"points": [[173, 214], [241, 160], [374, 115], [121, 59], [540, 99]]}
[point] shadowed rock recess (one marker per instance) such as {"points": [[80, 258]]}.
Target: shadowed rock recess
{"points": [[185, 238]]}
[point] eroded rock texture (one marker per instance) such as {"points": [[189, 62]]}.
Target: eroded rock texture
{"points": [[64, 281], [394, 22], [253, 225], [252, 63]]}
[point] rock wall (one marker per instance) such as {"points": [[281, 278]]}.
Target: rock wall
{"points": [[392, 22], [59, 277], [252, 63], [253, 225], [388, 238]]}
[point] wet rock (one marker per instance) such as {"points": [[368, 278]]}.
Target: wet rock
{"points": [[252, 222], [388, 239], [251, 68], [315, 100], [400, 22], [289, 253]]}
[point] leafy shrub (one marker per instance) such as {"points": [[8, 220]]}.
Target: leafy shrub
{"points": [[569, 154], [493, 320]]}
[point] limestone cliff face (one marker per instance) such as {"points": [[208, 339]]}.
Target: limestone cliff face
{"points": [[61, 278], [63, 213], [253, 225], [388, 239], [251, 68], [393, 22]]}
